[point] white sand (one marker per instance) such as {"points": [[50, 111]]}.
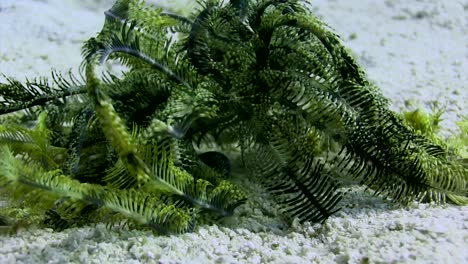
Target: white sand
{"points": [[414, 50]]}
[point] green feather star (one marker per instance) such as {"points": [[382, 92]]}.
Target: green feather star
{"points": [[264, 80]]}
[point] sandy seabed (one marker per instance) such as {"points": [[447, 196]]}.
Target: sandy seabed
{"points": [[416, 51]]}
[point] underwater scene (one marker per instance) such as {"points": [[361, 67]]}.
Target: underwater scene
{"points": [[217, 131]]}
